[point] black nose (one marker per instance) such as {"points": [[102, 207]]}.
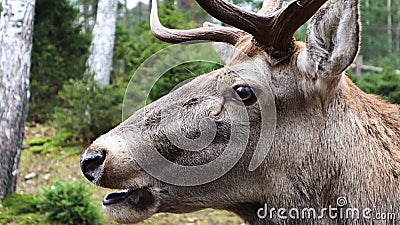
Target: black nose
{"points": [[92, 164]]}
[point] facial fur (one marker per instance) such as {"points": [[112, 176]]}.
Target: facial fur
{"points": [[331, 140]]}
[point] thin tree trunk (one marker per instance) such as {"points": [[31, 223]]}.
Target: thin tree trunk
{"points": [[150, 4], [83, 15], [126, 14], [86, 8], [398, 34], [100, 59], [367, 8], [184, 4], [16, 27], [389, 25]]}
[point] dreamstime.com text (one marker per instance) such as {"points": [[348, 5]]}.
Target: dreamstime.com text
{"points": [[339, 211]]}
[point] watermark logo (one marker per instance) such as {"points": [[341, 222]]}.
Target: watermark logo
{"points": [[339, 211], [171, 122], [341, 201]]}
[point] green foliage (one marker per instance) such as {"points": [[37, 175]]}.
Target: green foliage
{"points": [[20, 210], [37, 141], [385, 84], [134, 46], [69, 203], [44, 145], [59, 54], [21, 219], [20, 204], [380, 41], [86, 109], [173, 66], [60, 139], [179, 74], [88, 13]]}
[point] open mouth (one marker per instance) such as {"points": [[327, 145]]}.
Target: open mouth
{"points": [[132, 205], [116, 197], [140, 199]]}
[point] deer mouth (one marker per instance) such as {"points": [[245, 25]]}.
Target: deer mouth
{"points": [[116, 197], [132, 205], [141, 198]]}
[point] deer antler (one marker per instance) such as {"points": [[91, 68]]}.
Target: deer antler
{"points": [[273, 32], [270, 6], [207, 33]]}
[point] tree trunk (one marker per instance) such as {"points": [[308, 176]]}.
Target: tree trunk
{"points": [[16, 27], [83, 12], [184, 4], [126, 14], [397, 33], [100, 59], [389, 25], [397, 49], [367, 8], [86, 15]]}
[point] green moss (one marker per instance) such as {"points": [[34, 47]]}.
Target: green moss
{"points": [[37, 149], [33, 141], [45, 145]]}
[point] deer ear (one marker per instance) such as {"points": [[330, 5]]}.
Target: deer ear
{"points": [[225, 51], [333, 38]]}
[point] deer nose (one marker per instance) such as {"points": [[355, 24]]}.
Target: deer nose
{"points": [[92, 164]]}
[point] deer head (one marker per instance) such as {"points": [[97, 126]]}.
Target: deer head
{"points": [[317, 124]]}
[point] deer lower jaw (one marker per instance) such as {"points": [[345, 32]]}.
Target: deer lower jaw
{"points": [[132, 205]]}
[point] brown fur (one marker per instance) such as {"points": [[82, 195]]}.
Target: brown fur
{"points": [[331, 140]]}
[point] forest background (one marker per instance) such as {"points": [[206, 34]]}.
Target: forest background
{"points": [[68, 108]]}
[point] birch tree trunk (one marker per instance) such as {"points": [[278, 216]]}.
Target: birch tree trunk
{"points": [[100, 59], [16, 27]]}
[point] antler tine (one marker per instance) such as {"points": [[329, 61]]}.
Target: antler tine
{"points": [[289, 19], [274, 32], [206, 33], [270, 6], [237, 17]]}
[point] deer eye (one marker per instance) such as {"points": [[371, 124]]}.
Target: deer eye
{"points": [[246, 94]]}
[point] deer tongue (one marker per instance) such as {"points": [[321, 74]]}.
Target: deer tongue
{"points": [[140, 198], [116, 197]]}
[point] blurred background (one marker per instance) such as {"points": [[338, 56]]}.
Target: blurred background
{"points": [[71, 104]]}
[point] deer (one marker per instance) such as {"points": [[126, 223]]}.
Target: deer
{"points": [[331, 140]]}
